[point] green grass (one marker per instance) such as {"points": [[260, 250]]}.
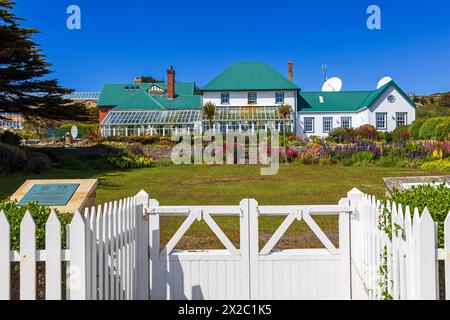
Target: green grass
{"points": [[227, 185]]}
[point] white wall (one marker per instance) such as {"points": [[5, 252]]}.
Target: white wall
{"points": [[240, 98], [358, 119], [383, 105]]}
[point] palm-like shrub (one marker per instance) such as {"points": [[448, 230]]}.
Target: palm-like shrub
{"points": [[209, 111], [284, 111]]}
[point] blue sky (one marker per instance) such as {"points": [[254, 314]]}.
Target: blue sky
{"points": [[120, 40]]}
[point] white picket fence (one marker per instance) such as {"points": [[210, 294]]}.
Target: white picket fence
{"points": [[110, 250], [411, 253], [100, 256]]}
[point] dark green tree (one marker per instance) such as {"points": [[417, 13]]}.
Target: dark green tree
{"points": [[24, 85], [150, 79]]}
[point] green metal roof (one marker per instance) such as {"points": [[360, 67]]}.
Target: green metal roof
{"points": [[136, 97], [245, 76], [343, 101]]}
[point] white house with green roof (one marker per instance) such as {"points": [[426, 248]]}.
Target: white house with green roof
{"points": [[149, 108], [385, 108], [247, 96]]}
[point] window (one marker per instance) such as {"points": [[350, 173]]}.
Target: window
{"points": [[252, 98], [346, 122], [381, 121], [309, 125], [327, 124], [279, 97], [401, 119], [225, 98]]}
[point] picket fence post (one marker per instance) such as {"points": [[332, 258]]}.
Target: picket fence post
{"points": [[244, 231], [27, 258], [155, 269], [77, 270], [426, 257], [53, 258], [5, 265], [447, 256], [142, 247], [355, 238], [250, 273]]}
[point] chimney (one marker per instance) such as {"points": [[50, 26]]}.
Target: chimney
{"points": [[171, 83], [290, 70], [138, 80]]}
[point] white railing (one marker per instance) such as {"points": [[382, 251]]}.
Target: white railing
{"points": [[402, 265]]}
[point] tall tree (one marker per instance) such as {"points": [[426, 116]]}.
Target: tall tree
{"points": [[24, 87]]}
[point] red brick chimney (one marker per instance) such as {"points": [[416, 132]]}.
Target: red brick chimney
{"points": [[290, 70], [171, 83]]}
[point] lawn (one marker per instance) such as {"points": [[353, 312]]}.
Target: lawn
{"points": [[208, 185]]}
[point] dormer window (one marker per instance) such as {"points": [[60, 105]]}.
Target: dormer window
{"points": [[225, 98], [252, 98], [156, 89]]}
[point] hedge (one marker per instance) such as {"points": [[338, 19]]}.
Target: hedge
{"points": [[414, 128], [442, 130], [427, 129]]}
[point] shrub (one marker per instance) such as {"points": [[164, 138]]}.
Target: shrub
{"points": [[388, 162], [40, 215], [414, 128], [436, 199], [442, 130], [11, 138], [326, 161], [385, 136], [136, 149], [12, 159], [338, 134], [427, 129], [437, 165], [126, 160], [37, 163], [362, 157], [401, 134], [367, 131], [311, 155]]}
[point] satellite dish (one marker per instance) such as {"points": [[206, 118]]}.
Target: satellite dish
{"points": [[383, 81], [332, 84], [74, 132]]}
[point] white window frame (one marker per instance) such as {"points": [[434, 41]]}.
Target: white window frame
{"points": [[349, 122], [330, 124], [252, 101], [405, 119], [384, 114], [227, 100], [312, 124], [280, 95]]}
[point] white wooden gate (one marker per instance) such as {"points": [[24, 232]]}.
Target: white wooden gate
{"points": [[248, 272]]}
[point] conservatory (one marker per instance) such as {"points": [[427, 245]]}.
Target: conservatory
{"points": [[168, 122]]}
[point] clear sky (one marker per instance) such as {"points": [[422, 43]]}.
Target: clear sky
{"points": [[119, 40]]}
